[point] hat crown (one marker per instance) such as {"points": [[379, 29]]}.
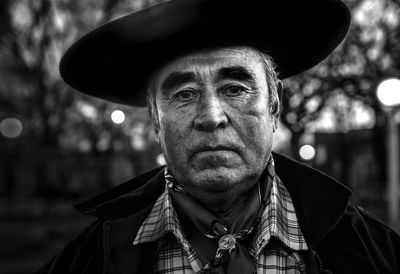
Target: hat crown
{"points": [[114, 61]]}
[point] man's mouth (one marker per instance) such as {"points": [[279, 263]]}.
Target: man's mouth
{"points": [[216, 148], [211, 149]]}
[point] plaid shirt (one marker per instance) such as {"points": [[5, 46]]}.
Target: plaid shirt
{"points": [[176, 255]]}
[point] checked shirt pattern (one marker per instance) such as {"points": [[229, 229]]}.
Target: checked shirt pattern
{"points": [[275, 246]]}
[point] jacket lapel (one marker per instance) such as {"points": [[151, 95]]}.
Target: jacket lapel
{"points": [[127, 198], [120, 255], [123, 210], [319, 200]]}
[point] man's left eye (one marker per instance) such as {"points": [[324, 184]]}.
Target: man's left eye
{"points": [[234, 90]]}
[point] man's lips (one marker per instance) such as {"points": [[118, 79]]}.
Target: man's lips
{"points": [[213, 148]]}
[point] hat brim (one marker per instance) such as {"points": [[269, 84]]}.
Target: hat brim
{"points": [[115, 61]]}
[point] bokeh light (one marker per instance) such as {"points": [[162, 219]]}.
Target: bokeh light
{"points": [[307, 152], [88, 110], [160, 159], [388, 92], [11, 127], [117, 116], [138, 138]]}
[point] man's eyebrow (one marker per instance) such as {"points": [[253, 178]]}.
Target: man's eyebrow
{"points": [[176, 79], [236, 73]]}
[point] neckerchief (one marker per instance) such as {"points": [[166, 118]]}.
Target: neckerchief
{"points": [[225, 249]]}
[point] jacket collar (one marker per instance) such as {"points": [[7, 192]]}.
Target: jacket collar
{"points": [[319, 200], [127, 198]]}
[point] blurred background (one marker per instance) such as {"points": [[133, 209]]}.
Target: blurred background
{"points": [[58, 147]]}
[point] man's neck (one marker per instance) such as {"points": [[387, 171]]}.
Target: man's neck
{"points": [[225, 205]]}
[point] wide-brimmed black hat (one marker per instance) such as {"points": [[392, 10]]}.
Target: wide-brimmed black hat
{"points": [[115, 61]]}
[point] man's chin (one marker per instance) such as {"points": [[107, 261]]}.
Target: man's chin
{"points": [[216, 161], [216, 179]]}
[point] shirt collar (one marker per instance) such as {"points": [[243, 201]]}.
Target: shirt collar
{"points": [[161, 220], [278, 220]]}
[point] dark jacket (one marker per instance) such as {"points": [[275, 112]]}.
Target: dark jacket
{"points": [[342, 238]]}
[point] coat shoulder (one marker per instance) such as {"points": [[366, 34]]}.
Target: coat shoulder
{"points": [[127, 198], [123, 207], [363, 242], [385, 240], [81, 255]]}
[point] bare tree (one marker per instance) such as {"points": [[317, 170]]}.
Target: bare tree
{"points": [[368, 55]]}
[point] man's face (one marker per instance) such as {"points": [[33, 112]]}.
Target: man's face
{"points": [[215, 126]]}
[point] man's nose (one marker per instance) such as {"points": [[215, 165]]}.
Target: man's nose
{"points": [[210, 113]]}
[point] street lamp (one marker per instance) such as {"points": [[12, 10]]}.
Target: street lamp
{"points": [[388, 93]]}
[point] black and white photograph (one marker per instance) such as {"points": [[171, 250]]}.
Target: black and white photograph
{"points": [[199, 136]]}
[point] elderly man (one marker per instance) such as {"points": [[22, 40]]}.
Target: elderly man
{"points": [[211, 71]]}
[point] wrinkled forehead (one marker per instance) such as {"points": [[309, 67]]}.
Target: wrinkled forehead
{"points": [[218, 56], [214, 59]]}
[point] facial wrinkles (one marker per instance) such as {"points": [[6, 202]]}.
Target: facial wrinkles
{"points": [[210, 63], [253, 134], [211, 101], [256, 105]]}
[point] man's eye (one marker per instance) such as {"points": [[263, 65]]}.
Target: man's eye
{"points": [[234, 90], [185, 95]]}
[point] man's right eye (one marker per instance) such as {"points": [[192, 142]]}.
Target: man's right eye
{"points": [[185, 95]]}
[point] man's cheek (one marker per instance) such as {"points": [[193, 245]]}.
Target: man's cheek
{"points": [[175, 144]]}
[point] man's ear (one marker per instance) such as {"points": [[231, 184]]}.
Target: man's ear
{"points": [[276, 105], [156, 129], [279, 89], [275, 122], [158, 140], [152, 110]]}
